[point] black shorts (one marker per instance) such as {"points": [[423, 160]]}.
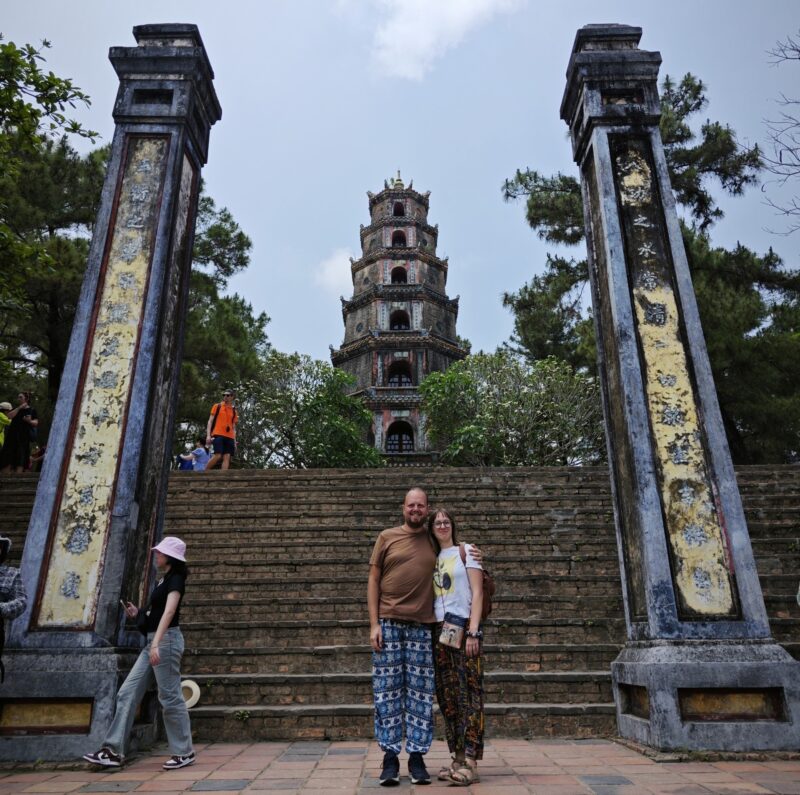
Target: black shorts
{"points": [[224, 445]]}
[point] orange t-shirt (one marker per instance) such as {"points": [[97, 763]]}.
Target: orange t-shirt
{"points": [[226, 421], [406, 560]]}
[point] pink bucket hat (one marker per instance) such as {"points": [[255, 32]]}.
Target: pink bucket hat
{"points": [[173, 547]]}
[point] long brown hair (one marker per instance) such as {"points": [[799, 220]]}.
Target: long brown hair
{"points": [[432, 518]]}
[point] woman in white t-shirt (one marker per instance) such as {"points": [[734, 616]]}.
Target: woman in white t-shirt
{"points": [[457, 659]]}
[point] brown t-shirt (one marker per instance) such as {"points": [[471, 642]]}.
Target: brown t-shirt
{"points": [[406, 560]]}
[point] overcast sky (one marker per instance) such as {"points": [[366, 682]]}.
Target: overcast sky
{"points": [[322, 101]]}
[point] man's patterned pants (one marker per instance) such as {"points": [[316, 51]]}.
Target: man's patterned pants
{"points": [[403, 686]]}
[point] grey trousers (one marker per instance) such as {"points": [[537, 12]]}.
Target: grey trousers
{"points": [[168, 680]]}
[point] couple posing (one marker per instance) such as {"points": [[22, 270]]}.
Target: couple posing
{"points": [[420, 580]]}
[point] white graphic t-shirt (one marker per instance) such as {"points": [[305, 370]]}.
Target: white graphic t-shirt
{"points": [[451, 589]]}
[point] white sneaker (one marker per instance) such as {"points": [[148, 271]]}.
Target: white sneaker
{"points": [[176, 762], [104, 757]]}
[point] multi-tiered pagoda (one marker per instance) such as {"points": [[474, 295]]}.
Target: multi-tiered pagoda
{"points": [[399, 326]]}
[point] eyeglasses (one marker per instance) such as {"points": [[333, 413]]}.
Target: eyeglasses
{"points": [[227, 394], [442, 523]]}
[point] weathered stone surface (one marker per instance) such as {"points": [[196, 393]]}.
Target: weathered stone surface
{"points": [[99, 504], [689, 574]]}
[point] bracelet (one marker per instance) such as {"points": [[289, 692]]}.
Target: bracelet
{"points": [[478, 634]]}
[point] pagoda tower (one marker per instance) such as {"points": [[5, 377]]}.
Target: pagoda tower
{"points": [[399, 326]]}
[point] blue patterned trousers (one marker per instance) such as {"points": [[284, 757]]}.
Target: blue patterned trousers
{"points": [[403, 687]]}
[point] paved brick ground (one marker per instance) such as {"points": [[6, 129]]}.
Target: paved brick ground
{"points": [[510, 767]]}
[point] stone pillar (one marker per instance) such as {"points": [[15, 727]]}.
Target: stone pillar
{"points": [[700, 669], [100, 499]]}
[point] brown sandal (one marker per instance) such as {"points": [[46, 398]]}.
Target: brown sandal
{"points": [[448, 770], [465, 775]]}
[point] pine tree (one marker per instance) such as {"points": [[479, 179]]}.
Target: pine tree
{"points": [[749, 303]]}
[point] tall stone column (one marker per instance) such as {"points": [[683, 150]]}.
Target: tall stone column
{"points": [[700, 669], [100, 499]]}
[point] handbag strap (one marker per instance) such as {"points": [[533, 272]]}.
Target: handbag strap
{"points": [[217, 408]]}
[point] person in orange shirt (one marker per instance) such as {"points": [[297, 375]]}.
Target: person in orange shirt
{"points": [[221, 431]]}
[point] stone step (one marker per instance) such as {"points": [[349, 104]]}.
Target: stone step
{"points": [[196, 608], [520, 585], [275, 614], [229, 659], [598, 538], [246, 723], [279, 560], [786, 628], [284, 633], [568, 687], [245, 565], [779, 584], [529, 528], [792, 646], [268, 545], [310, 528]]}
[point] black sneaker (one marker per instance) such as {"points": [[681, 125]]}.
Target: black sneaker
{"points": [[105, 758], [176, 762], [390, 775], [417, 770]]}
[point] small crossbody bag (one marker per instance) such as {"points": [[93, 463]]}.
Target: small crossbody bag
{"points": [[453, 629]]}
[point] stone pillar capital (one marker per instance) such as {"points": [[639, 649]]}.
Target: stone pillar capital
{"points": [[167, 78], [609, 81]]}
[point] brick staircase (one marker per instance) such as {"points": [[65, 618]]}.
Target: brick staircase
{"points": [[275, 617]]}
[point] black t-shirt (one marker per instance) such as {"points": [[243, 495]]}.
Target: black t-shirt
{"points": [[173, 581], [19, 429]]}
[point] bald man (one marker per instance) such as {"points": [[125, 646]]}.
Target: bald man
{"points": [[400, 601]]}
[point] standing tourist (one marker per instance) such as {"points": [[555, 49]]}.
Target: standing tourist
{"points": [[221, 431], [457, 660], [13, 598], [400, 602], [159, 621], [22, 429]]}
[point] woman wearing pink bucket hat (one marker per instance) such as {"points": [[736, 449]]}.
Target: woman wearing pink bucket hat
{"points": [[161, 657]]}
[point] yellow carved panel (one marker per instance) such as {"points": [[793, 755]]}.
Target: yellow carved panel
{"points": [[38, 716], [76, 558], [728, 704], [695, 533]]}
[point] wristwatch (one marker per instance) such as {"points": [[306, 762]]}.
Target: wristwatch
{"points": [[478, 634]]}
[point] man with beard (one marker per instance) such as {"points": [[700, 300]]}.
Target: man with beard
{"points": [[400, 601]]}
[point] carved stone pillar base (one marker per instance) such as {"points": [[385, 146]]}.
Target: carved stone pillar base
{"points": [[697, 695], [58, 706]]}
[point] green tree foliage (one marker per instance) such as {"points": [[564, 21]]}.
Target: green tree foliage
{"points": [[32, 102], [296, 414], [553, 204], [49, 196], [225, 342], [51, 202], [33, 106], [750, 310], [748, 303], [497, 410]]}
